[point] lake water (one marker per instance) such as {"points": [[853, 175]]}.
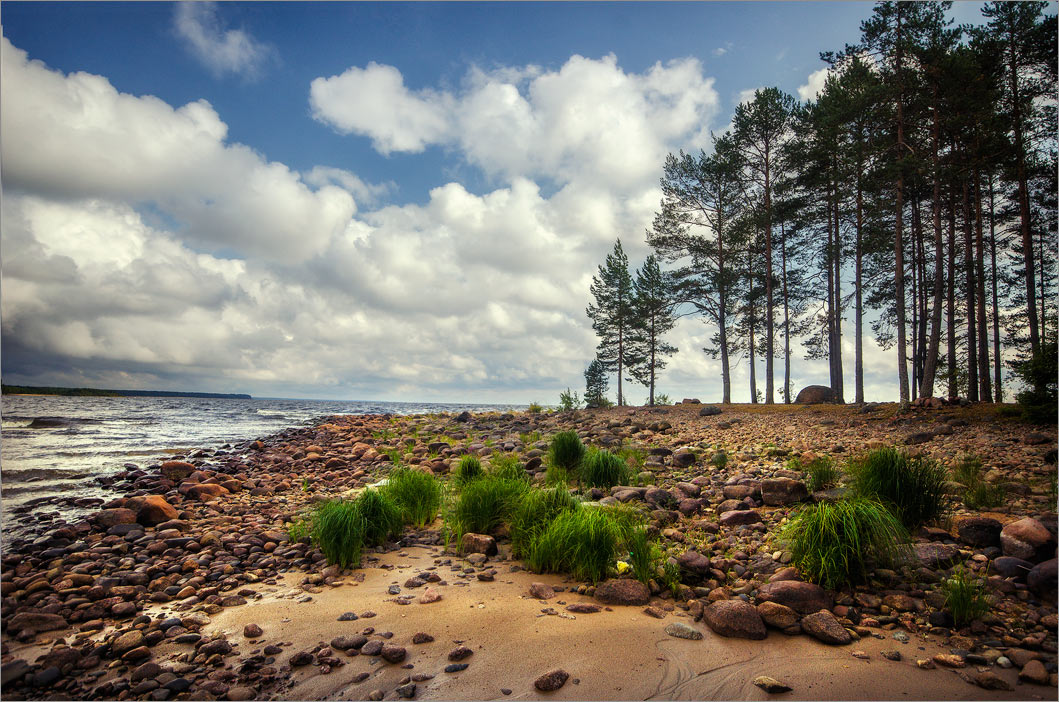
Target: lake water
{"points": [[54, 445]]}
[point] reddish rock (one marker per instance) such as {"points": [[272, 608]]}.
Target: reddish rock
{"points": [[814, 394], [623, 591], [806, 598], [551, 681], [1027, 539], [783, 491], [36, 621], [740, 516], [478, 543], [823, 626], [110, 517], [176, 470], [980, 532], [204, 492], [776, 615], [694, 562], [734, 618], [252, 631], [542, 591], [154, 510]]}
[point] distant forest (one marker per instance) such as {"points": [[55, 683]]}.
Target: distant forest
{"points": [[919, 184], [93, 392]]}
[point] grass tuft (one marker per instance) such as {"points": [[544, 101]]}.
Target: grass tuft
{"points": [[979, 492], [964, 597], [486, 503], [338, 530], [567, 452], [604, 469], [914, 487], [820, 473], [468, 469], [507, 466], [535, 511], [644, 555], [417, 494], [382, 516], [582, 542], [832, 542]]}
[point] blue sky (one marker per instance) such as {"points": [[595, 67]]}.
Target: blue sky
{"points": [[361, 201]]}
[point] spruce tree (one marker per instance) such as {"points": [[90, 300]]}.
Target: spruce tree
{"points": [[654, 317], [595, 385], [613, 315]]}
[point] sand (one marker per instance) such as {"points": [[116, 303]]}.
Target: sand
{"points": [[612, 655]]}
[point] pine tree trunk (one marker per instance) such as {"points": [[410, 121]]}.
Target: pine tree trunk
{"points": [[769, 330], [722, 320], [621, 357], [997, 367], [950, 317], [968, 263], [899, 252], [916, 287], [985, 389], [839, 386], [858, 363], [786, 322], [933, 347]]}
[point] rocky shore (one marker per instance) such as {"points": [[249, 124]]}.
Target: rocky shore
{"points": [[187, 586]]}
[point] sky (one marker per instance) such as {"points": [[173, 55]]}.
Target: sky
{"points": [[381, 201]]}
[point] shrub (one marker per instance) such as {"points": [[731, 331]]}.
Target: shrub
{"points": [[534, 512], [1039, 403], [568, 401], [382, 516], [469, 468], [820, 473], [338, 529], [395, 455], [662, 399], [566, 451], [832, 542], [964, 597], [534, 408], [644, 554], [485, 503], [582, 542], [913, 487], [507, 466], [671, 577], [416, 493], [604, 469], [719, 460]]}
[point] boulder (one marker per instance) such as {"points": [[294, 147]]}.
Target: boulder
{"points": [[802, 597], [1042, 579], [683, 458], [709, 411], [979, 532], [1027, 539], [659, 498], [823, 626], [176, 471], [464, 416], [204, 492], [1011, 567], [936, 555], [737, 517], [36, 621], [734, 618], [623, 591], [112, 517], [154, 510], [479, 543], [814, 395], [776, 615], [694, 562], [783, 491]]}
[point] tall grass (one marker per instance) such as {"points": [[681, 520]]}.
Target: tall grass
{"points": [[604, 469], [820, 473], [468, 469], [416, 493], [582, 542], [644, 554], [832, 543], [964, 597], [507, 466], [486, 503], [914, 487], [567, 452], [381, 515], [529, 438], [535, 511], [979, 492], [338, 530]]}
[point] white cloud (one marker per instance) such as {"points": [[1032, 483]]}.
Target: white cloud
{"points": [[589, 119], [222, 51], [814, 86], [746, 95], [75, 136]]}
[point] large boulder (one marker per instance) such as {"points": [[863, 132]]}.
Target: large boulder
{"points": [[36, 621], [694, 562], [806, 598], [1042, 580], [622, 591], [776, 615], [1027, 539], [479, 543], [823, 626], [734, 618], [204, 492], [979, 532], [783, 491], [107, 518], [739, 517], [933, 554], [176, 470], [154, 510], [709, 411], [814, 395]]}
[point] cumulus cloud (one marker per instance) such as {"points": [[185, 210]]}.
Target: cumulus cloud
{"points": [[75, 137], [588, 119], [814, 86], [220, 50]]}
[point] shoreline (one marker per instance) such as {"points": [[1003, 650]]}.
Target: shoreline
{"points": [[225, 545]]}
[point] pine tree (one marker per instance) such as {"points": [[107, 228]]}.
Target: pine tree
{"points": [[613, 315], [654, 317], [596, 385]]}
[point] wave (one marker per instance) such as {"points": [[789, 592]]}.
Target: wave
{"points": [[27, 475], [49, 487]]}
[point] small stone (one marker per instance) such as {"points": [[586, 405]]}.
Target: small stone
{"points": [[551, 681], [241, 693], [989, 680], [925, 664], [392, 654], [348, 617], [406, 691], [683, 631], [771, 685], [861, 655], [429, 596], [654, 612], [583, 608], [456, 667], [891, 655], [542, 591], [458, 654], [376, 695], [950, 660], [1034, 672], [252, 631], [422, 637]]}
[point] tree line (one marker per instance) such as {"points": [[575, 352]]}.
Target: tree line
{"points": [[919, 185]]}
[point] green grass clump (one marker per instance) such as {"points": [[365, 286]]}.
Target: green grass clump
{"points": [[395, 455], [468, 469], [486, 503], [604, 469], [719, 460], [338, 530], [507, 466], [567, 452], [671, 577], [964, 597], [416, 493], [820, 473], [582, 542], [979, 492], [534, 408], [556, 476], [832, 542], [534, 513], [530, 437], [300, 528], [382, 516], [633, 457], [914, 487], [644, 554]]}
